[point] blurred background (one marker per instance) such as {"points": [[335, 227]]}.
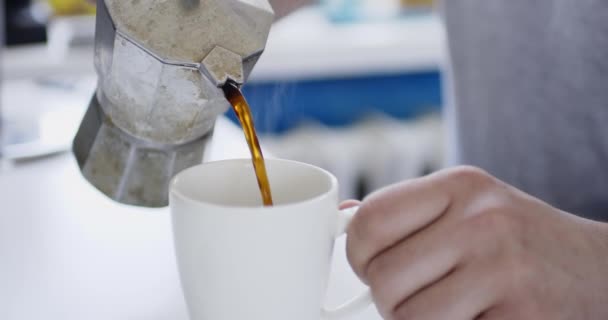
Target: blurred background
{"points": [[352, 86]]}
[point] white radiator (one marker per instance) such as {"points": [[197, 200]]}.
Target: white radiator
{"points": [[374, 153]]}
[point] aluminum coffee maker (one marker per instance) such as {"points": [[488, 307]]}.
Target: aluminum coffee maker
{"points": [[161, 66]]}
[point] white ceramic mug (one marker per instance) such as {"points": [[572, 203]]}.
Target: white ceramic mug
{"points": [[239, 260]]}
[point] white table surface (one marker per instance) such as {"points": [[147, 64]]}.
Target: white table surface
{"points": [[69, 253]]}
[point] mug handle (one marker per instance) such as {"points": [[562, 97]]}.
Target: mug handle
{"points": [[360, 302]]}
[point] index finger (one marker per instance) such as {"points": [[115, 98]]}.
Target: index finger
{"points": [[391, 215], [394, 214]]}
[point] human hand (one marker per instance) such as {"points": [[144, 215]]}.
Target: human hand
{"points": [[461, 245]]}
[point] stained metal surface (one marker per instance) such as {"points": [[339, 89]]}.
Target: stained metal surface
{"points": [[160, 66]]}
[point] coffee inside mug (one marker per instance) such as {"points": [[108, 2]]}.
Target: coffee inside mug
{"points": [[233, 183]]}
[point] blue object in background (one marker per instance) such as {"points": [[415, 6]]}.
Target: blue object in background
{"points": [[342, 10], [278, 107], [354, 11]]}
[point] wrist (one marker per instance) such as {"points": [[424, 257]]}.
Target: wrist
{"points": [[604, 231], [600, 240]]}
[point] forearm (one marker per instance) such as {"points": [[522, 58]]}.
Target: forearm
{"points": [[285, 7]]}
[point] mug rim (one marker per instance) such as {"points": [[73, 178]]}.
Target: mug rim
{"points": [[173, 190]]}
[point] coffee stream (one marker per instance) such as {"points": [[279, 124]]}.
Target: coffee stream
{"points": [[243, 112]]}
